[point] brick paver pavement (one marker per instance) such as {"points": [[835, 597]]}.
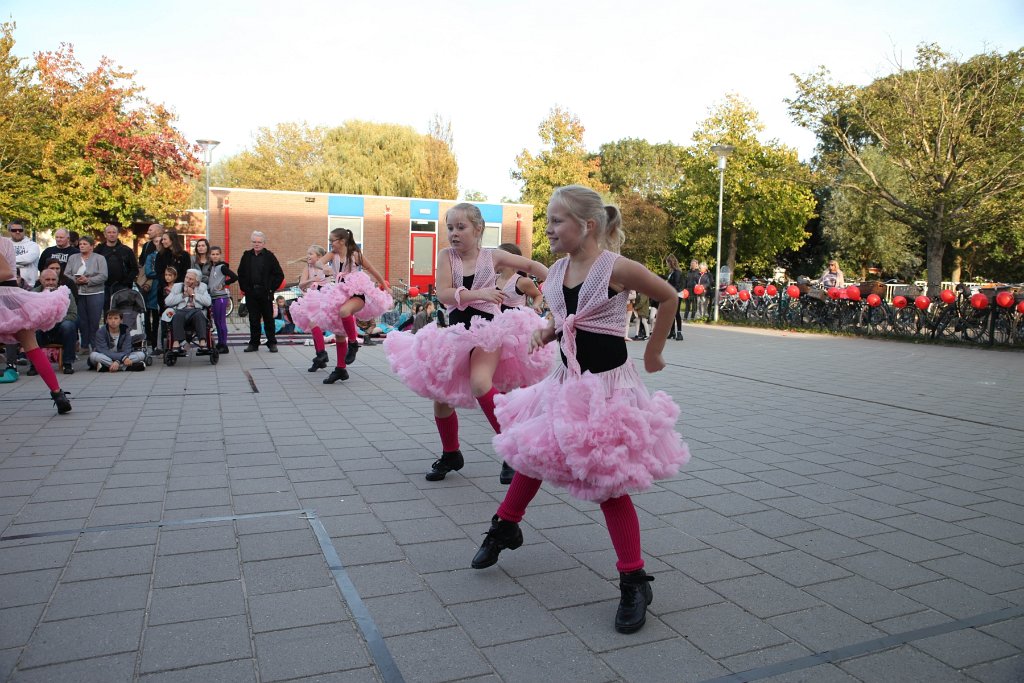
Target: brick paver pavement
{"points": [[854, 511]]}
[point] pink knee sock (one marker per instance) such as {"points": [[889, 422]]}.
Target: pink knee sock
{"points": [[42, 365], [349, 324], [448, 429], [520, 492], [341, 346], [624, 528], [487, 405], [318, 340]]}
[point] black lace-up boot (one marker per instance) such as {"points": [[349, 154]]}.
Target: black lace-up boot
{"points": [[501, 535], [319, 361], [636, 596], [448, 462], [60, 399]]}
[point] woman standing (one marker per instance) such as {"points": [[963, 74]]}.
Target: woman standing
{"points": [[172, 254], [89, 271], [201, 258], [675, 278]]}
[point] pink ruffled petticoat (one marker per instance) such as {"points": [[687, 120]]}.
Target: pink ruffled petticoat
{"points": [[599, 436], [377, 300], [24, 310], [434, 362], [306, 311]]}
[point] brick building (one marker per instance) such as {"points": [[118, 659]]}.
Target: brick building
{"points": [[399, 236]]}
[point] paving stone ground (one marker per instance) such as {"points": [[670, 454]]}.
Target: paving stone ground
{"points": [[841, 491]]}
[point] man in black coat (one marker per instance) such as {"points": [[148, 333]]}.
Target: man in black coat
{"points": [[122, 266], [259, 276]]}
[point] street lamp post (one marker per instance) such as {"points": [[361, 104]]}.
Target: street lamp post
{"points": [[207, 147], [722, 152]]}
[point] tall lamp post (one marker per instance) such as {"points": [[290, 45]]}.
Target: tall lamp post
{"points": [[207, 146], [722, 152]]}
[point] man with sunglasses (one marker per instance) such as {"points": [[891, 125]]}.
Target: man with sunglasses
{"points": [[26, 254]]}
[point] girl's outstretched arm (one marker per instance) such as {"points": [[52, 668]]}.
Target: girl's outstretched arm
{"points": [[629, 274], [384, 284], [503, 259]]}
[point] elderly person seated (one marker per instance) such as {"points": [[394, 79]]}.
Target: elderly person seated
{"points": [[113, 350], [65, 332], [189, 300]]}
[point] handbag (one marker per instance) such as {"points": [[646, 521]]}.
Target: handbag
{"points": [[144, 283]]}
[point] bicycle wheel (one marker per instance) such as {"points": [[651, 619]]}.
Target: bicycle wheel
{"points": [[974, 326], [905, 322], [1003, 332], [878, 319]]}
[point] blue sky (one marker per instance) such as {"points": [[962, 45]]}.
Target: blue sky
{"points": [[647, 68]]}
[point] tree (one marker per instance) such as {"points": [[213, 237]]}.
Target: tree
{"points": [[767, 197], [563, 160], [647, 231], [475, 196], [863, 235], [635, 166], [111, 156], [953, 131], [288, 156], [438, 174], [23, 124]]}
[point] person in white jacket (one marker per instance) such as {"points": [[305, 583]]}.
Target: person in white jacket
{"points": [[26, 254], [189, 299]]}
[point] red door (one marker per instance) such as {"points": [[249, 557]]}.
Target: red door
{"points": [[423, 259]]}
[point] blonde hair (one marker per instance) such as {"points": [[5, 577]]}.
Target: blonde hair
{"points": [[316, 249], [584, 205]]}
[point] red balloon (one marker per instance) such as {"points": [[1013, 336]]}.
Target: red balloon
{"points": [[1020, 307], [922, 302], [1004, 299], [948, 296], [698, 289], [793, 291], [414, 291], [899, 301], [853, 293], [874, 300], [833, 292], [731, 290], [759, 290], [744, 295], [685, 293], [772, 290], [979, 301]]}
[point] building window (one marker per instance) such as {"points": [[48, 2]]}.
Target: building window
{"points": [[416, 225], [353, 223], [492, 235]]}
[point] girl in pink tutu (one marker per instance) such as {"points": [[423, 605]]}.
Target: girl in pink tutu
{"points": [[591, 426], [23, 312], [312, 278], [515, 286], [352, 295], [482, 352]]}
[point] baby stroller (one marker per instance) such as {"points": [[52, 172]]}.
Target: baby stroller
{"points": [[171, 354], [132, 307]]}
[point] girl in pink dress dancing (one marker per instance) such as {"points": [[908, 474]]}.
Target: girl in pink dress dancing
{"points": [[591, 426], [482, 352], [23, 312]]}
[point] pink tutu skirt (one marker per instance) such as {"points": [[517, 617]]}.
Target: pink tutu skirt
{"points": [[434, 362], [24, 310], [377, 300], [305, 311], [599, 436]]}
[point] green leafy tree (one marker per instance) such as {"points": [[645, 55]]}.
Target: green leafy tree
{"points": [[647, 231], [475, 196], [951, 128], [24, 122], [362, 157], [767, 196], [438, 174], [288, 156], [862, 233], [562, 160], [635, 166]]}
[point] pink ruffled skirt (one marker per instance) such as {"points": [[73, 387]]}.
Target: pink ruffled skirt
{"points": [[322, 307], [599, 436], [435, 361], [305, 311], [24, 310]]}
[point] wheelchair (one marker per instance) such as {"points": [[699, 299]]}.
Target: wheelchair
{"points": [[171, 355]]}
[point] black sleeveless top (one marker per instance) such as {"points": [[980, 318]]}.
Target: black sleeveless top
{"points": [[457, 317], [595, 352]]}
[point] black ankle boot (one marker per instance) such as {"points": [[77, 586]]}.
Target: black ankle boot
{"points": [[636, 596], [506, 474], [449, 461], [60, 399], [319, 361], [350, 354], [336, 374], [501, 535]]}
